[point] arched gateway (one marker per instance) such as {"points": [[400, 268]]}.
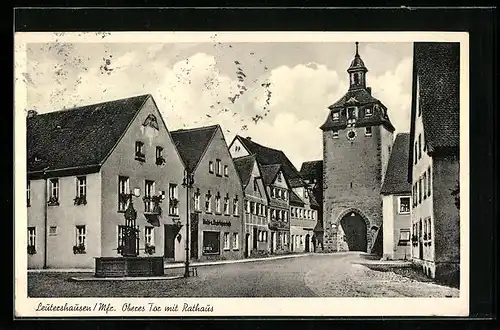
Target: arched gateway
{"points": [[354, 226]]}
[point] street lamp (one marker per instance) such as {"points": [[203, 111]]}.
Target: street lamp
{"points": [[187, 182]]}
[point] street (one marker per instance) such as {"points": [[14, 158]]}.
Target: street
{"points": [[318, 275]]}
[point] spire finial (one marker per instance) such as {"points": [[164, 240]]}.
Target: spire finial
{"points": [[357, 43]]}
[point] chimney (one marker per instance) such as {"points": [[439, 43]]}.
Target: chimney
{"points": [[249, 138], [369, 90], [32, 113]]}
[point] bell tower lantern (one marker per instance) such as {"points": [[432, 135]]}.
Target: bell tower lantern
{"points": [[357, 72]]}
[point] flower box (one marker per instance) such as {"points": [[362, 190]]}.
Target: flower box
{"points": [[80, 200], [53, 201], [160, 161], [140, 156], [79, 249], [31, 249], [149, 249]]}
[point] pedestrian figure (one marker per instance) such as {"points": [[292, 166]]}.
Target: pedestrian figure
{"points": [[314, 242]]}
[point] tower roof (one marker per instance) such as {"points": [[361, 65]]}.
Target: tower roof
{"points": [[357, 63]]}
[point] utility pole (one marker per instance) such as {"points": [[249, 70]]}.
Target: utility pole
{"points": [[187, 183]]}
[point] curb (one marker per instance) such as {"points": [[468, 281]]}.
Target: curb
{"points": [[138, 278], [178, 265]]}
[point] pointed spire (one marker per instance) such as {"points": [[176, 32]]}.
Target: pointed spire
{"points": [[357, 43]]}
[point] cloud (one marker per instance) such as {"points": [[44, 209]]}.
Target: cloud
{"points": [[393, 88]]}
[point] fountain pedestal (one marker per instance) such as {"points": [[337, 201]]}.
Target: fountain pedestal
{"points": [[128, 266]]}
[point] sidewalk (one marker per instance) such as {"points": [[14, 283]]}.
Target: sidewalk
{"points": [[177, 265]]}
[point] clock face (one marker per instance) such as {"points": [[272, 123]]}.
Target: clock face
{"points": [[351, 134]]}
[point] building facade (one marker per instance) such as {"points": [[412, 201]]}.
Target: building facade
{"points": [[396, 202], [303, 219], [257, 234], [82, 164], [357, 141], [312, 174], [434, 160], [278, 191], [216, 195]]}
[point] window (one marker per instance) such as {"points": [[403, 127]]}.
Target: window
{"points": [[237, 148], [368, 131], [260, 236], [415, 153], [226, 241], [420, 190], [236, 244], [273, 214], [356, 79], [252, 207], [226, 170], [173, 199], [226, 205], [313, 214], [429, 235], [32, 239], [123, 191], [419, 146], [247, 206], [54, 192], [28, 193], [121, 232], [285, 194], [404, 205], [335, 134], [430, 181], [273, 192], [81, 186], [218, 168], [352, 113], [159, 156], [285, 216], [149, 238], [389, 150], [211, 242], [368, 112], [149, 191], [424, 181], [139, 151], [335, 116], [235, 206], [279, 193], [211, 167], [208, 202], [81, 234], [217, 203], [197, 200]]}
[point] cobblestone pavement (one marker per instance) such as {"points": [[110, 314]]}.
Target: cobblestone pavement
{"points": [[348, 279], [323, 275]]}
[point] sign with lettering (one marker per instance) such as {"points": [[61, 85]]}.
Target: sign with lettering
{"points": [[216, 222]]}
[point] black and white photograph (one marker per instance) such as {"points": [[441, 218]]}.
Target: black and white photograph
{"points": [[197, 173]]}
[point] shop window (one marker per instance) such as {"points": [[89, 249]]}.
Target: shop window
{"points": [[211, 242]]}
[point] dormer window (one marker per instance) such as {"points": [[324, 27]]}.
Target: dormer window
{"points": [[336, 116], [368, 112], [335, 134], [352, 114]]}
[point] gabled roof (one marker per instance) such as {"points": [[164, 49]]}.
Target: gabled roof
{"points": [[192, 144], [312, 169], [78, 138], [437, 66], [269, 173], [244, 166], [295, 199], [269, 156], [396, 175], [312, 200]]}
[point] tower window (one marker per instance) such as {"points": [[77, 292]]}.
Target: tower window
{"points": [[356, 79], [352, 113], [368, 131], [368, 112], [335, 134], [335, 116]]}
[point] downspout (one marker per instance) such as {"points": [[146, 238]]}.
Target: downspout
{"points": [[45, 198]]}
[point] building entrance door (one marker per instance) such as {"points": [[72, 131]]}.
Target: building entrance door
{"points": [[355, 231], [255, 237], [169, 241], [307, 243]]}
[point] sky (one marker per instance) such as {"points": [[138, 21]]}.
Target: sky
{"points": [[277, 93]]}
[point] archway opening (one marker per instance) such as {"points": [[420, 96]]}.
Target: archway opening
{"points": [[354, 228]]}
